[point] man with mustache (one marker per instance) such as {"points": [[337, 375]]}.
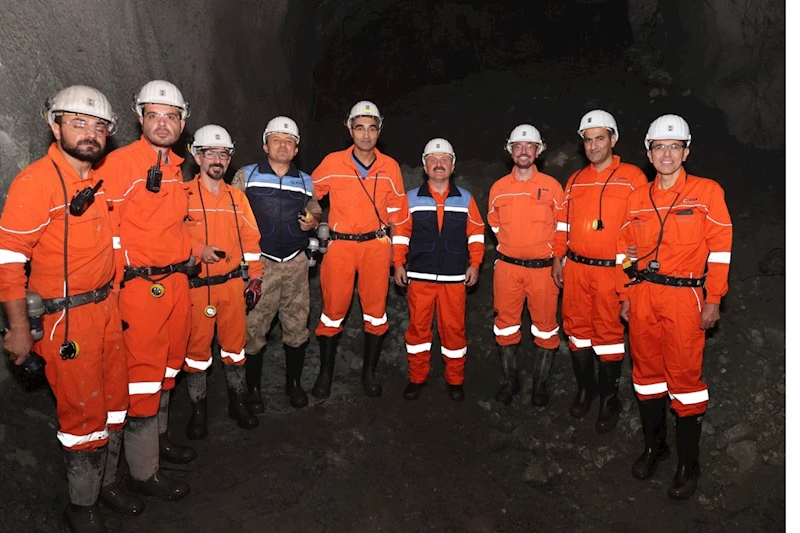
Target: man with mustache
{"points": [[148, 206], [366, 192], [438, 248], [680, 226], [72, 269], [225, 236], [523, 209], [585, 250], [286, 209]]}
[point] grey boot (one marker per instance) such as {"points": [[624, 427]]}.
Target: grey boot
{"points": [[511, 385], [198, 423], [141, 451], [168, 450], [84, 476], [112, 495], [544, 363]]}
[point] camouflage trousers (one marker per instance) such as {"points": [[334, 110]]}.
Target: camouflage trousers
{"points": [[284, 291]]}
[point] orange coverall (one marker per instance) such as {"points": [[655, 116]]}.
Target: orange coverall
{"points": [[91, 390], [664, 323], [149, 231], [523, 215], [590, 306], [216, 215], [449, 300], [352, 211]]}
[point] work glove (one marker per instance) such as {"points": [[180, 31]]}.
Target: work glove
{"points": [[252, 294]]}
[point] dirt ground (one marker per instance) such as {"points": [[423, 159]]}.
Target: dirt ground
{"points": [[358, 464]]}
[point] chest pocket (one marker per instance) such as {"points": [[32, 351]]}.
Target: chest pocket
{"points": [[87, 230], [688, 224]]}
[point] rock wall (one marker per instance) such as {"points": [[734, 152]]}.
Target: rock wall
{"points": [[731, 53]]}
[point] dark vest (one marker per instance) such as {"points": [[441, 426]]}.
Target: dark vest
{"points": [[276, 202], [436, 256]]}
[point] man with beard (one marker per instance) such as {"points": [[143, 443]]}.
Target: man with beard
{"points": [[682, 230], [286, 208], [366, 192], [149, 202], [438, 248], [226, 239], [72, 269], [523, 209], [585, 251]]}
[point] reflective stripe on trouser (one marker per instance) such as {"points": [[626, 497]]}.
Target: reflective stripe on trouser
{"points": [[284, 291], [590, 310], [449, 301], [91, 390], [228, 298], [512, 284], [155, 340], [667, 345], [343, 260]]}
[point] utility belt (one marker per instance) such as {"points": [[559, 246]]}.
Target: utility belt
{"points": [[638, 276], [589, 261], [215, 280], [527, 263], [359, 237], [55, 305], [157, 290]]}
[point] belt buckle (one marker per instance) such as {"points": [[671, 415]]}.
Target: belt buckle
{"points": [[380, 233]]}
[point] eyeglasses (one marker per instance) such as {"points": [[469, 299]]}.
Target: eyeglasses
{"points": [[213, 154], [168, 117], [361, 129], [665, 147], [80, 124]]}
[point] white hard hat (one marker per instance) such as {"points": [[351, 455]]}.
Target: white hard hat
{"points": [[438, 146], [667, 128], [211, 136], [364, 108], [281, 125], [598, 119], [80, 99], [160, 92], [525, 133]]}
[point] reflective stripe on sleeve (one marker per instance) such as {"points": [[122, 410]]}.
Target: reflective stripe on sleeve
{"points": [[397, 239], [7, 257], [476, 238], [719, 257]]}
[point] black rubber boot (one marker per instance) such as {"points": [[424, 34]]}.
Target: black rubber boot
{"points": [[112, 495], [141, 451], [412, 390], [239, 410], [583, 366], [84, 475], [372, 353], [295, 357], [610, 406], [168, 450], [174, 453], [455, 392], [327, 362], [508, 362], [687, 444], [253, 365], [544, 364], [198, 422], [654, 428]]}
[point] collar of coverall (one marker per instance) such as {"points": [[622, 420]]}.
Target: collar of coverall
{"points": [[679, 183], [144, 145], [615, 161], [265, 168], [424, 190], [533, 176], [348, 159], [223, 187], [70, 176]]}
